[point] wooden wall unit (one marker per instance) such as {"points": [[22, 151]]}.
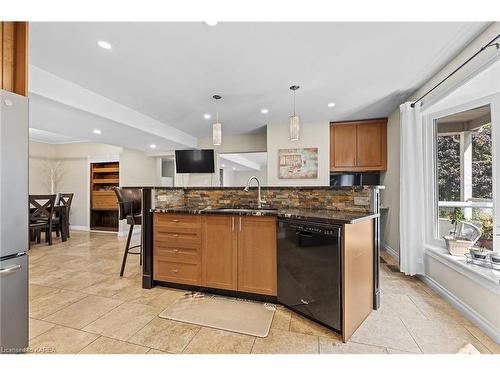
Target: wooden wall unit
{"points": [[14, 57], [103, 202], [358, 146], [357, 283]]}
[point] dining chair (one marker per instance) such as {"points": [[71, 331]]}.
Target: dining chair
{"points": [[64, 200], [130, 209], [41, 211]]}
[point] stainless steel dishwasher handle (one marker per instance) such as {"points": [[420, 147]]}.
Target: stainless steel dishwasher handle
{"points": [[8, 271]]}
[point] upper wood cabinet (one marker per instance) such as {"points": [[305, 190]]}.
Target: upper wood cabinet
{"points": [[257, 255], [219, 252], [358, 146], [14, 57]]}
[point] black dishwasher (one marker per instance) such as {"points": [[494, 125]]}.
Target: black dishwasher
{"points": [[309, 270]]}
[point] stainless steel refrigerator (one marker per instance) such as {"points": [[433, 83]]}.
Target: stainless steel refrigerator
{"points": [[13, 222]]}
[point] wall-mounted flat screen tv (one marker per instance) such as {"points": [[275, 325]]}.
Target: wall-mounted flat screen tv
{"points": [[194, 161]]}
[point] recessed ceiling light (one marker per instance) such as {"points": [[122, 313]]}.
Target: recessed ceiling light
{"points": [[211, 23], [331, 104], [104, 44], [97, 131], [234, 168], [207, 116], [223, 165], [152, 145], [264, 111]]}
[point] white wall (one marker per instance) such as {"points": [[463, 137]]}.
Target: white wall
{"points": [[311, 135], [138, 169]]}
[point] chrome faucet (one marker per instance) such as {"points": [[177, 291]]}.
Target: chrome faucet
{"points": [[259, 197]]}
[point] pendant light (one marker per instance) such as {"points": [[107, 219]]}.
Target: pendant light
{"points": [[294, 120], [217, 126]]}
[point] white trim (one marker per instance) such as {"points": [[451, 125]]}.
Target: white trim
{"points": [[82, 228], [464, 269], [393, 253], [467, 311]]}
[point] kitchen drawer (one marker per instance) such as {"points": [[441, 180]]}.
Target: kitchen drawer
{"points": [[177, 253], [174, 239], [177, 272], [182, 223]]}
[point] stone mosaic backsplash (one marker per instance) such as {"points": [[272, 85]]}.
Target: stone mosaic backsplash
{"points": [[339, 199]]}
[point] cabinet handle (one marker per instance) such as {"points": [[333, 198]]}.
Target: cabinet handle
{"points": [[175, 271], [176, 251], [232, 224], [240, 223], [175, 220], [175, 235]]}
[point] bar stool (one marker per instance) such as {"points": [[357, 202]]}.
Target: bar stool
{"points": [[130, 204]]}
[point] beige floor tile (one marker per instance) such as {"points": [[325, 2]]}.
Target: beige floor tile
{"points": [[283, 342], [299, 324], [37, 291], [398, 305], [37, 327], [83, 312], [387, 332], [106, 345], [125, 320], [111, 286], [437, 309], [216, 341], [79, 280], [281, 319], [405, 287], [166, 335], [328, 346], [49, 278], [163, 299], [61, 340], [395, 351], [484, 339], [156, 351], [137, 293], [50, 303], [443, 338]]}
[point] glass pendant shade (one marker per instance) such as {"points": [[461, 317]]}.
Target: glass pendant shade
{"points": [[294, 128], [217, 134]]}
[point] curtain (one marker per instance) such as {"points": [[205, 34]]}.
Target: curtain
{"points": [[412, 198]]}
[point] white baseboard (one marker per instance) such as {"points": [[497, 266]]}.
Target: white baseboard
{"points": [[472, 315], [393, 253], [82, 228]]}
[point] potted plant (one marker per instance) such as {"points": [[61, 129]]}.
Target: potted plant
{"points": [[479, 252], [456, 217], [455, 244]]}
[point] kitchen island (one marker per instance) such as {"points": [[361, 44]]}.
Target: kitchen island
{"points": [[210, 244]]}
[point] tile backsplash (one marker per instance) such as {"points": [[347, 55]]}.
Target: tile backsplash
{"points": [[331, 198]]}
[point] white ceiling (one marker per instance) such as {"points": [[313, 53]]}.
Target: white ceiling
{"points": [[169, 71], [44, 136]]}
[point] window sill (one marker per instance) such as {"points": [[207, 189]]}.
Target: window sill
{"points": [[486, 277]]}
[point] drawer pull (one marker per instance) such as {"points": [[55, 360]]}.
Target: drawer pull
{"points": [[175, 271], [175, 250], [175, 220], [175, 235]]}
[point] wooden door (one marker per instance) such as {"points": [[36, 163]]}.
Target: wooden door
{"points": [[257, 255], [371, 145], [219, 252], [342, 147]]}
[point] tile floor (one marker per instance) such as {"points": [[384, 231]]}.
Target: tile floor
{"points": [[79, 304]]}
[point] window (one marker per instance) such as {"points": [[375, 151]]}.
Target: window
{"points": [[464, 179]]}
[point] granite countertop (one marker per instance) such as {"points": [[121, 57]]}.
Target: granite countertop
{"points": [[312, 187], [323, 216]]}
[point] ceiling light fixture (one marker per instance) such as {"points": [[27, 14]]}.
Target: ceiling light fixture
{"points": [[217, 126], [104, 44], [294, 120], [223, 165], [152, 145], [97, 131], [207, 116], [264, 111], [211, 23], [331, 104]]}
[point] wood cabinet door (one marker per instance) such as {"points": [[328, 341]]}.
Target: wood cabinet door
{"points": [[219, 252], [342, 147], [257, 255], [371, 145]]}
